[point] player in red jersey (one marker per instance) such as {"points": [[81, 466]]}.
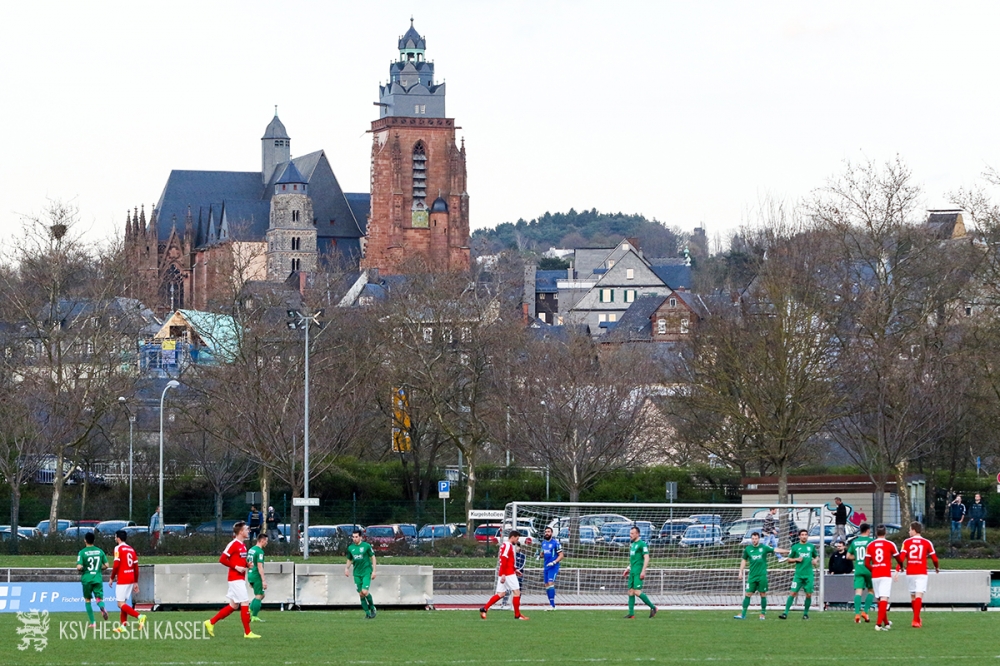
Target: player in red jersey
{"points": [[878, 559], [234, 558], [916, 550], [125, 575], [507, 580]]}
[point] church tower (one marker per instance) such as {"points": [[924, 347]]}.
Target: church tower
{"points": [[275, 148], [415, 160], [291, 236]]}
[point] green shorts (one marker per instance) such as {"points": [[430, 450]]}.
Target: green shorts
{"points": [[93, 590], [862, 581], [802, 584], [258, 587], [363, 582], [634, 582], [756, 585]]}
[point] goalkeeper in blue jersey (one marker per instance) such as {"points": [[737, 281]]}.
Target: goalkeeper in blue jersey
{"points": [[551, 555]]}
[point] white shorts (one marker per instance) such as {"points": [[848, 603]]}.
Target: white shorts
{"points": [[238, 592], [882, 587], [122, 593], [510, 584], [917, 583]]}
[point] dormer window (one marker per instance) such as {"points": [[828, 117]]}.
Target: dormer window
{"points": [[673, 302]]}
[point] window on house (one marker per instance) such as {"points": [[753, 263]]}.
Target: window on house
{"points": [[629, 273], [295, 216], [612, 317], [296, 243], [630, 295], [673, 302], [428, 334], [684, 326], [541, 315], [611, 264], [968, 310], [541, 296], [559, 320], [661, 326], [601, 318], [607, 295]]}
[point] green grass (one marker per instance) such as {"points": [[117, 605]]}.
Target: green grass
{"points": [[460, 637], [439, 562]]}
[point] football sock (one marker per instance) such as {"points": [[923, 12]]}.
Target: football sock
{"points": [[788, 604], [254, 606], [128, 610], [495, 598], [809, 602], [100, 604], [123, 615], [746, 605], [917, 604], [517, 606], [631, 605], [763, 605], [222, 614], [551, 592], [371, 602], [646, 600], [883, 611], [90, 612], [857, 604], [245, 616], [869, 600]]}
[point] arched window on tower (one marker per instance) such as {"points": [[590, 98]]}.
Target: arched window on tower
{"points": [[419, 217]]}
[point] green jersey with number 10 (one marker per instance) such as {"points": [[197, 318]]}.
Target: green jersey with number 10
{"points": [[858, 548]]}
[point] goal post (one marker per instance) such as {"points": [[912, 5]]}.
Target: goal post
{"points": [[695, 550]]}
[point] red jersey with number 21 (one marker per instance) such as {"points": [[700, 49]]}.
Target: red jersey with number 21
{"points": [[125, 564], [916, 550], [507, 559], [880, 553]]}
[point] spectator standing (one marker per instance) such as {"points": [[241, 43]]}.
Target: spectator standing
{"points": [[254, 521], [840, 519], [770, 530], [154, 529], [977, 519], [956, 513], [271, 520], [839, 564]]}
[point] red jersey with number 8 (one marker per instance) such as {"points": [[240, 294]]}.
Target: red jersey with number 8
{"points": [[126, 563], [916, 550], [879, 557]]}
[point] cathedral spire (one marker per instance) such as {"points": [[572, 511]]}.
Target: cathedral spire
{"points": [[128, 224]]}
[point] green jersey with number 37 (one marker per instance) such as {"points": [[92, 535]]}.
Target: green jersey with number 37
{"points": [[93, 560]]}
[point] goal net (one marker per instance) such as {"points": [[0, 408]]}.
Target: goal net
{"points": [[695, 550]]}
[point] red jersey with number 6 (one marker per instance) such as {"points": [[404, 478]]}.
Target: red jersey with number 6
{"points": [[916, 550], [126, 565], [235, 555], [507, 567], [879, 557]]}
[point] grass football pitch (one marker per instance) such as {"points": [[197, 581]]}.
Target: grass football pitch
{"points": [[565, 636]]}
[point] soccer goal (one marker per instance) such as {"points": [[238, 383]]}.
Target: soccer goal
{"points": [[695, 550]]}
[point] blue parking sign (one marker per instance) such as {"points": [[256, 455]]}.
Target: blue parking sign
{"points": [[444, 489]]}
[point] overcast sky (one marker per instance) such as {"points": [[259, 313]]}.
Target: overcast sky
{"points": [[686, 112]]}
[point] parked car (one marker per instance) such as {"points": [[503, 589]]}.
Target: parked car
{"points": [[588, 535], [609, 530], [208, 527], [672, 531], [384, 537], [61, 526], [409, 531], [324, 537], [623, 536], [741, 529], [137, 532], [430, 533], [29, 532], [87, 523], [700, 535], [707, 518], [463, 529], [177, 529], [598, 519], [6, 535], [490, 532], [109, 527], [829, 532], [527, 533]]}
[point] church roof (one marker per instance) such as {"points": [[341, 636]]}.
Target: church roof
{"points": [[200, 189], [275, 130], [412, 39], [290, 175], [439, 206]]}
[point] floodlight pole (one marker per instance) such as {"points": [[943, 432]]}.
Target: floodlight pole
{"points": [[306, 321], [173, 383]]}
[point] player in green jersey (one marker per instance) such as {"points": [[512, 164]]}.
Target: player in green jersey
{"points": [[255, 575], [91, 563], [638, 560], [361, 557], [804, 555], [755, 555], [862, 576]]}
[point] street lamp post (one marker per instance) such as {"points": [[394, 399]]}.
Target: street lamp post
{"points": [[131, 424], [305, 321], [173, 383]]}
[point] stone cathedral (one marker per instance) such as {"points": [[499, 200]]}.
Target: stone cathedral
{"points": [[213, 229]]}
